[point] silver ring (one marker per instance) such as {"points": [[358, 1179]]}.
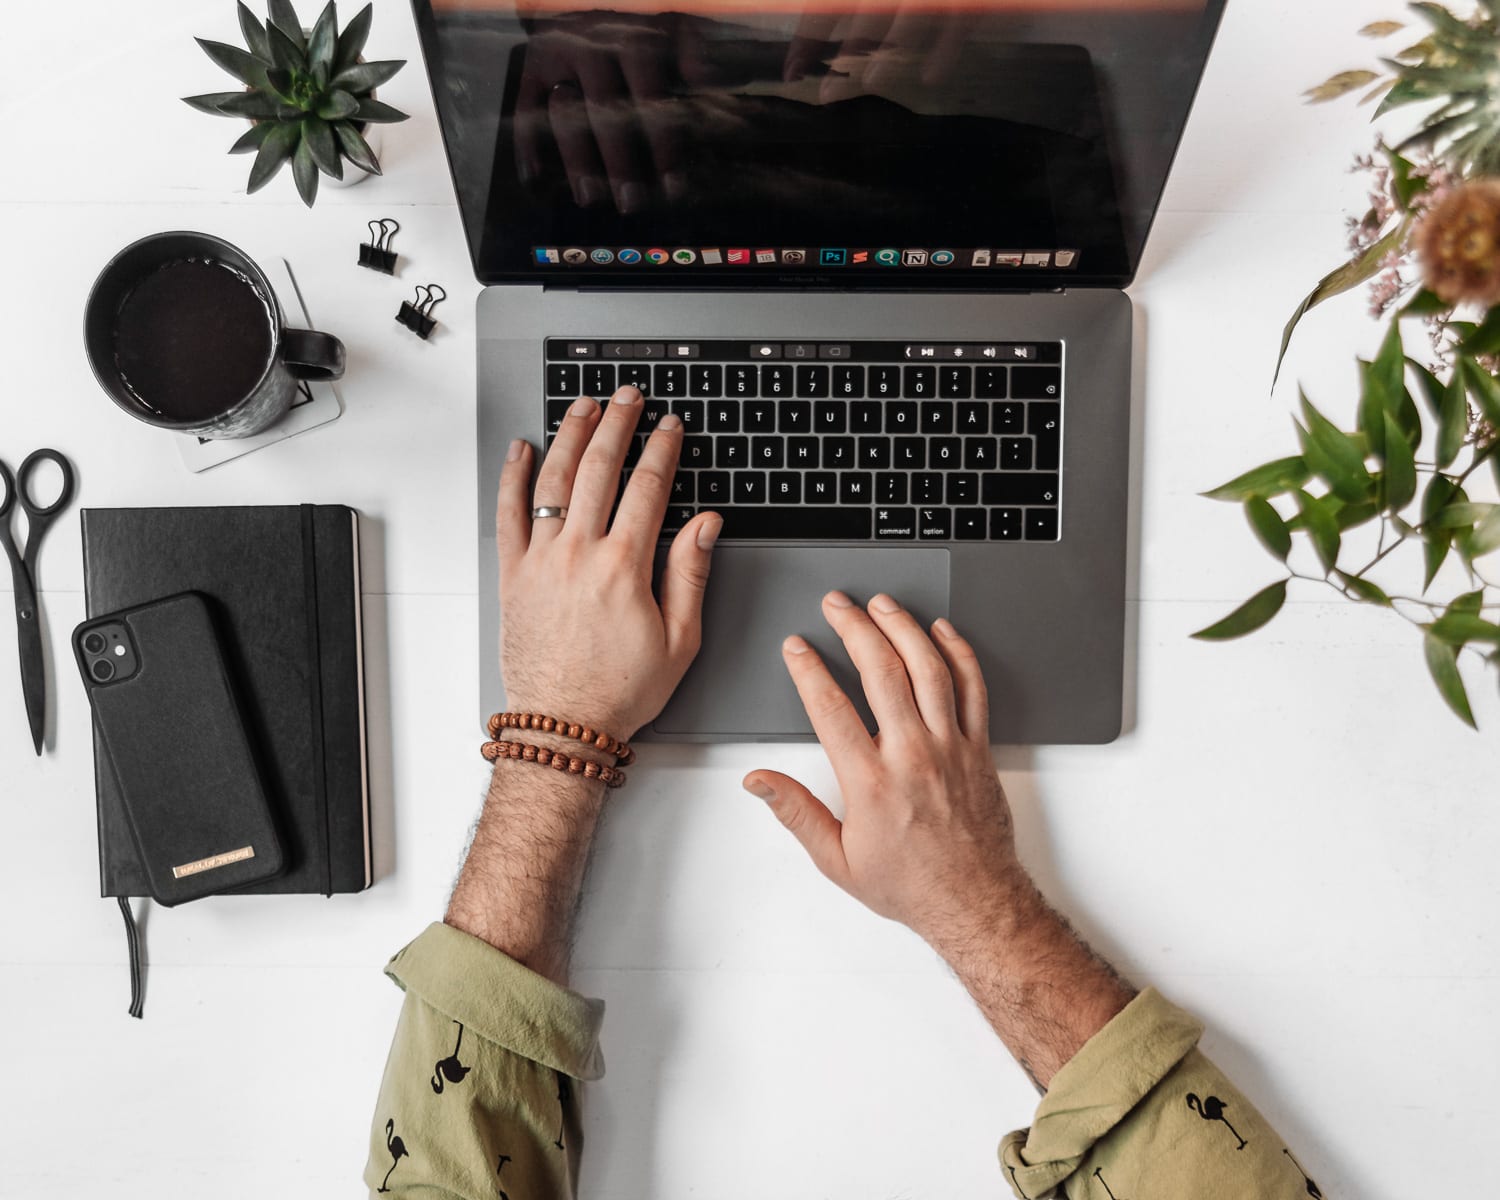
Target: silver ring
{"points": [[548, 510]]}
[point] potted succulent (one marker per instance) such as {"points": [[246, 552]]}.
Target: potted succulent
{"points": [[308, 94]]}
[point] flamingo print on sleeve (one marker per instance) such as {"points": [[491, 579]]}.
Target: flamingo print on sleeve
{"points": [[1212, 1109], [450, 1068], [397, 1150]]}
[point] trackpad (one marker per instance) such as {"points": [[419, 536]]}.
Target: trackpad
{"points": [[758, 596]]}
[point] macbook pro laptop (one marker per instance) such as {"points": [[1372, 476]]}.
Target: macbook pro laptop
{"points": [[873, 256]]}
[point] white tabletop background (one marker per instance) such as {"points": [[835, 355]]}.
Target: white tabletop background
{"points": [[1294, 838]]}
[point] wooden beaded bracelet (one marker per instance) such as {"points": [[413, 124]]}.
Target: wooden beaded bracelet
{"points": [[611, 777], [621, 750]]}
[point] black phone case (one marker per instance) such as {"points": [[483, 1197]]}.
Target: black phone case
{"points": [[192, 790]]}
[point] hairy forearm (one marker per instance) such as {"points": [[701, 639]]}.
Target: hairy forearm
{"points": [[1043, 991], [521, 880]]}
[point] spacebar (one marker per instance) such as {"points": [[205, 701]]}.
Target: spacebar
{"points": [[797, 524]]}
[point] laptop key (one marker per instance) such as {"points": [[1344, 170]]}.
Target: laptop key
{"points": [[692, 413], [1010, 418], [919, 383], [556, 411], [838, 452], [697, 451], [937, 417], [943, 454], [901, 416], [759, 417], [798, 524], [563, 380], [979, 454], [812, 382], [670, 380], [637, 375], [973, 418], [732, 453], [848, 382], [884, 382], [599, 379], [875, 453], [935, 524], [776, 381], [749, 488], [927, 488], [1044, 423], [706, 381], [856, 487], [767, 453], [891, 488], [1038, 488], [989, 383], [897, 524], [713, 488], [1036, 383], [910, 453], [677, 516], [963, 488], [786, 487], [1041, 524], [820, 487], [1005, 525], [652, 411], [830, 418], [794, 416], [724, 416], [1015, 453], [682, 487], [802, 453], [969, 524], [741, 381], [864, 417], [956, 383]]}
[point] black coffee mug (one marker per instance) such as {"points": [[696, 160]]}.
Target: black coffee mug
{"points": [[184, 332]]}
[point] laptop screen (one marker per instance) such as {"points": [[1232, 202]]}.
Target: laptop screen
{"points": [[908, 143]]}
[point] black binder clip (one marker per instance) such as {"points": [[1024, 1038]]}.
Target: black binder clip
{"points": [[377, 253], [418, 317]]}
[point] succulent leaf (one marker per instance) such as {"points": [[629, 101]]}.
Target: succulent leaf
{"points": [[278, 146], [213, 102], [285, 53], [352, 41], [377, 113], [324, 39], [363, 78], [283, 83], [244, 67], [325, 152], [255, 34], [337, 105], [284, 17], [252, 137], [258, 106], [355, 148], [305, 171]]}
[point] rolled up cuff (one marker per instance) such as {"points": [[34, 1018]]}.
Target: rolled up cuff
{"points": [[502, 1001]]}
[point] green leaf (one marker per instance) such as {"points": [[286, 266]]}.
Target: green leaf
{"points": [[257, 106], [213, 102], [352, 41], [242, 65], [1439, 493], [337, 105], [377, 113], [1460, 628], [1400, 467], [324, 39], [252, 137], [1469, 602], [1272, 479], [355, 148], [282, 82], [1321, 527], [278, 146], [1347, 516], [254, 33], [1453, 422], [1486, 534], [284, 17], [319, 140], [1425, 304], [1483, 387], [1460, 515], [305, 172], [1269, 527], [1334, 456], [1432, 386], [286, 52], [1442, 663], [365, 77], [1485, 338], [1249, 616], [1380, 29], [1339, 85], [1370, 415], [1404, 185], [1341, 279], [1363, 589]]}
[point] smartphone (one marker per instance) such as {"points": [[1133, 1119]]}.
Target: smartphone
{"points": [[165, 705]]}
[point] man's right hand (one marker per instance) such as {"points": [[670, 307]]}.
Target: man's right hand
{"points": [[926, 838]]}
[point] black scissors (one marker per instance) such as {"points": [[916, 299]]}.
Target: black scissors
{"points": [[23, 571]]}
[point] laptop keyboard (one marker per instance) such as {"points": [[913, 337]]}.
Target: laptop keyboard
{"points": [[845, 442]]}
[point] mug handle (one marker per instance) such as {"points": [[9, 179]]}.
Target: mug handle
{"points": [[309, 354]]}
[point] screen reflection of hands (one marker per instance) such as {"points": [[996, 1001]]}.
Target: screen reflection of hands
{"points": [[870, 45]]}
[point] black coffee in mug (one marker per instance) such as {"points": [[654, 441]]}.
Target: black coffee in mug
{"points": [[184, 332]]}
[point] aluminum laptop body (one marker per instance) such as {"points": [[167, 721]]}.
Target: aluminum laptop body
{"points": [[622, 198]]}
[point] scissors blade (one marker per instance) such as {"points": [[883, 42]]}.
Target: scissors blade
{"points": [[33, 676]]}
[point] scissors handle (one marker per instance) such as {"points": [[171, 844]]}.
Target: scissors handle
{"points": [[40, 516]]}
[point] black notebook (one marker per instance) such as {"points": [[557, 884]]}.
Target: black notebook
{"points": [[282, 587]]}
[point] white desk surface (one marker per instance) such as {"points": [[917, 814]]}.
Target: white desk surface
{"points": [[1295, 839]]}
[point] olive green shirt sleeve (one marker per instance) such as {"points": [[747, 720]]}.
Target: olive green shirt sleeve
{"points": [[1138, 1111], [478, 1097]]}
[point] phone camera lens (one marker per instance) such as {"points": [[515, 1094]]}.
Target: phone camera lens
{"points": [[103, 670], [94, 643]]}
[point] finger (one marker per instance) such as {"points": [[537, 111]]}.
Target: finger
{"points": [[598, 479], [809, 45], [512, 511], [554, 483], [808, 820], [655, 110], [833, 716], [637, 522], [882, 674], [684, 580], [927, 671], [612, 121], [533, 128], [575, 142], [973, 700]]}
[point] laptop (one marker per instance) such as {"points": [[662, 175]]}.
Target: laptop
{"points": [[874, 258]]}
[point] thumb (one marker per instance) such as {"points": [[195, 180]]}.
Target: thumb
{"points": [[807, 818], [684, 579]]}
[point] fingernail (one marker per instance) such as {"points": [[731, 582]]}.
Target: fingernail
{"points": [[517, 448], [943, 628], [883, 603], [796, 644], [588, 191], [670, 421], [626, 395], [708, 532], [583, 406], [632, 197], [839, 600], [757, 788]]}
